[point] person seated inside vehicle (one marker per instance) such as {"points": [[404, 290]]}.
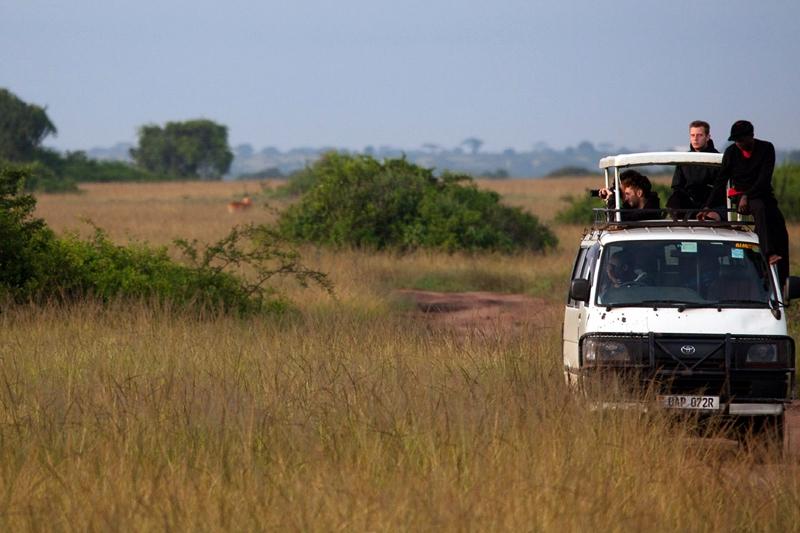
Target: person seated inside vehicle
{"points": [[622, 272], [639, 200]]}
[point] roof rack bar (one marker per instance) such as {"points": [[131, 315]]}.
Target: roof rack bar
{"points": [[603, 219]]}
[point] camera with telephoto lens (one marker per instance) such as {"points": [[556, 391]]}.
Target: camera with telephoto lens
{"points": [[595, 193]]}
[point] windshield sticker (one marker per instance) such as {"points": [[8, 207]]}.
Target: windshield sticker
{"points": [[737, 253], [689, 247]]}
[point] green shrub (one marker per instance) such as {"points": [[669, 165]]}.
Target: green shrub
{"points": [[570, 171], [499, 174], [37, 265], [301, 181], [39, 177], [77, 167], [786, 182], [23, 238], [579, 209], [359, 201]]}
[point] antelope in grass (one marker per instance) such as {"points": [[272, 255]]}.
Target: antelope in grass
{"points": [[240, 205]]}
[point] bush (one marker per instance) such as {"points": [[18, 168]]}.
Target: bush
{"points": [[301, 181], [358, 201], [569, 171], [786, 182], [37, 265], [23, 238], [579, 209], [39, 177], [265, 174], [499, 174], [77, 167]]}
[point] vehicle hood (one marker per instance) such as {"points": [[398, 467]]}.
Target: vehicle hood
{"points": [[670, 320]]}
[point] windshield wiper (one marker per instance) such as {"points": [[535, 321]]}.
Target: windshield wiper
{"points": [[741, 301], [655, 304], [682, 306]]}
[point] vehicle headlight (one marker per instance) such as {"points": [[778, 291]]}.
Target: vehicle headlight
{"points": [[601, 351], [769, 353], [762, 353]]}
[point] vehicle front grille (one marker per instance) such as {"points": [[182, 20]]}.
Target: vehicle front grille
{"points": [[704, 365]]}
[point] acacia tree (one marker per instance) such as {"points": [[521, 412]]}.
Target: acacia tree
{"points": [[23, 127], [190, 149]]}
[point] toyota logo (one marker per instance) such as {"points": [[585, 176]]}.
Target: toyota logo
{"points": [[688, 349]]}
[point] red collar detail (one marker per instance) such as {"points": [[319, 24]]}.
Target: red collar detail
{"points": [[746, 154]]}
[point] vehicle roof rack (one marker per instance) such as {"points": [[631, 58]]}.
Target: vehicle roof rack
{"points": [[676, 218]]}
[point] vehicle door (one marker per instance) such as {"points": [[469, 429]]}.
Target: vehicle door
{"points": [[575, 311]]}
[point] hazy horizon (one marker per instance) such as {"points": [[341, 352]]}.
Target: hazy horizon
{"points": [[359, 73]]}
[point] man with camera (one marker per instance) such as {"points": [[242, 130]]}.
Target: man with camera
{"points": [[639, 200]]}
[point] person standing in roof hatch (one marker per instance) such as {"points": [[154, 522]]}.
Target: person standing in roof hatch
{"points": [[748, 164], [691, 184]]}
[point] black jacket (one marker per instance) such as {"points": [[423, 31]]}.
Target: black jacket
{"points": [[695, 183], [752, 176], [632, 213]]}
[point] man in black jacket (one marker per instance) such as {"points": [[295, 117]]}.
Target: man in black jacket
{"points": [[748, 164], [639, 200], [692, 184]]}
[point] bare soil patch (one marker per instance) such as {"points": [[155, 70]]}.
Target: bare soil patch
{"points": [[469, 312]]}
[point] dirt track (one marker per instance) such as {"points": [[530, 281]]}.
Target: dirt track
{"points": [[479, 311]]}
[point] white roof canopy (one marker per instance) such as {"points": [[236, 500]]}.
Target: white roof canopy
{"points": [[661, 158]]}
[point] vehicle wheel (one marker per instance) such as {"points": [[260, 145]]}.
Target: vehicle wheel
{"points": [[791, 431]]}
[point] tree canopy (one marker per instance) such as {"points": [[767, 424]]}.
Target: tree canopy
{"points": [[190, 149], [23, 127]]}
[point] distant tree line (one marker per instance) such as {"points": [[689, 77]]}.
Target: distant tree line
{"points": [[180, 150]]}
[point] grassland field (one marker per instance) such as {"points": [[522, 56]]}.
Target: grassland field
{"points": [[352, 413]]}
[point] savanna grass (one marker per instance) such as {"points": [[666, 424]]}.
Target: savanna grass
{"points": [[352, 413], [141, 418]]}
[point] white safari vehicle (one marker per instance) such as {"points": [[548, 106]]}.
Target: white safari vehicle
{"points": [[688, 309]]}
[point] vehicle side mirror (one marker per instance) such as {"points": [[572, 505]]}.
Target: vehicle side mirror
{"points": [[792, 289], [579, 289]]}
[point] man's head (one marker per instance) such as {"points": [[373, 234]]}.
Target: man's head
{"points": [[699, 133], [635, 188], [620, 267], [742, 134]]}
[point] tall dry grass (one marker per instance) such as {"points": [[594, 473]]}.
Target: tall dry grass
{"points": [[351, 414], [136, 417]]}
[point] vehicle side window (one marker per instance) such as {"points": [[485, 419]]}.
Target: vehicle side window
{"points": [[587, 272], [577, 270]]}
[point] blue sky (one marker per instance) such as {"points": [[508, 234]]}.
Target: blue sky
{"points": [[354, 73]]}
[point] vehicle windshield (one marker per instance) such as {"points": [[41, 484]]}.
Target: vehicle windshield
{"points": [[683, 274]]}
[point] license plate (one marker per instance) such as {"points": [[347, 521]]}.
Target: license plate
{"points": [[704, 403]]}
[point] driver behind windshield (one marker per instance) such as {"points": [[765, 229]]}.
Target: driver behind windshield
{"points": [[621, 271]]}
